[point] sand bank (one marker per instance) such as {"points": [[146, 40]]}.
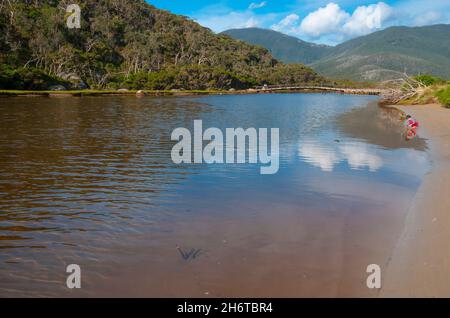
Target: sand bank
{"points": [[420, 263]]}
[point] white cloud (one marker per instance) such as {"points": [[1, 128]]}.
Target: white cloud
{"points": [[251, 23], [324, 21], [428, 18], [219, 17], [231, 20], [331, 24], [255, 5], [420, 12], [287, 25], [367, 19]]}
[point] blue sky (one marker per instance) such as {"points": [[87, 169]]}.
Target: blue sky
{"points": [[320, 21]]}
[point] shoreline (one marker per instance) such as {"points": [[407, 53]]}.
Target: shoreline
{"points": [[150, 93], [419, 265]]}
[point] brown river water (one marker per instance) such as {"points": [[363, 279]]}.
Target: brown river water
{"points": [[90, 181]]}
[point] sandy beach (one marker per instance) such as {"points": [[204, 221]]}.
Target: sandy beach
{"points": [[420, 263]]}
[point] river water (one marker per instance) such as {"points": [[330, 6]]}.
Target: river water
{"points": [[90, 181]]}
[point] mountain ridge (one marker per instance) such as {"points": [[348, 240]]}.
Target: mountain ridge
{"points": [[381, 55], [281, 45]]}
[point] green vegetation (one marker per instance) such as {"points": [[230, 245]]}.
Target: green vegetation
{"points": [[188, 77], [288, 74], [429, 80], [425, 89], [443, 95], [26, 78], [353, 84], [128, 44]]}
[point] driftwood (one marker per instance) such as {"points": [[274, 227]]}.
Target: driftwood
{"points": [[408, 88]]}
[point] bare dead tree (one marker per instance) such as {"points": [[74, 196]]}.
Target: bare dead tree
{"points": [[406, 88]]}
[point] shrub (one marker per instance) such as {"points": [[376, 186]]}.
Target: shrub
{"points": [[443, 95], [27, 78], [429, 80], [191, 77], [290, 74]]}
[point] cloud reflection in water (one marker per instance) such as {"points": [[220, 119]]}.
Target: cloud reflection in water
{"points": [[326, 156]]}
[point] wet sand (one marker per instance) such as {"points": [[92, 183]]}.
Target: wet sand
{"points": [[420, 263]]}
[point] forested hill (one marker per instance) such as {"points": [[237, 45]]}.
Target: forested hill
{"points": [[286, 48], [130, 44]]}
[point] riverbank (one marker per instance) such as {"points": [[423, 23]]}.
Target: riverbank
{"points": [[420, 263], [140, 93], [80, 93]]}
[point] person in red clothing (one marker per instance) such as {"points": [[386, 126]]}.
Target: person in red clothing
{"points": [[411, 122]]}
